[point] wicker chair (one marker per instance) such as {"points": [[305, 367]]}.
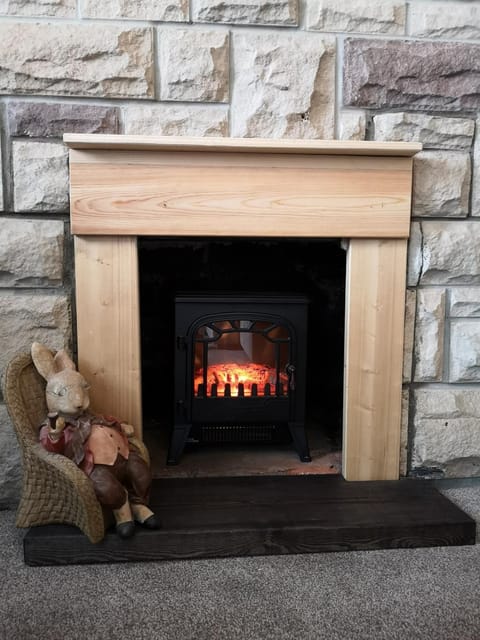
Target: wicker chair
{"points": [[55, 490]]}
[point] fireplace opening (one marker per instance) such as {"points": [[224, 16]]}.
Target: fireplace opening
{"points": [[269, 277]]}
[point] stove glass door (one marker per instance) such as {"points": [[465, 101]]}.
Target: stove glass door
{"points": [[242, 358]]}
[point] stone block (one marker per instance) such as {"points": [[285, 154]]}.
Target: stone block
{"points": [[429, 335], [464, 302], [39, 8], [361, 16], [31, 253], [1, 181], [415, 255], [445, 20], [464, 361], [409, 333], [450, 253], [352, 125], [158, 10], [53, 119], [92, 59], [40, 176], [176, 120], [194, 65], [441, 184], [434, 132], [476, 173], [273, 13], [27, 318], [445, 425], [284, 85], [418, 75], [10, 463]]}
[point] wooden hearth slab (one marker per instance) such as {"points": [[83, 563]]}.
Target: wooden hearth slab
{"points": [[229, 517]]}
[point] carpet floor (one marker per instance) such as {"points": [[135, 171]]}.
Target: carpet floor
{"points": [[375, 595]]}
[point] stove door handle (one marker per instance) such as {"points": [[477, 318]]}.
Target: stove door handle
{"points": [[290, 369]]}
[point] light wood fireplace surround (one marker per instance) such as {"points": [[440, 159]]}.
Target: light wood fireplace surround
{"points": [[128, 186]]}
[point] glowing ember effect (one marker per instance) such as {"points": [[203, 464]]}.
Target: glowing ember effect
{"points": [[235, 374]]}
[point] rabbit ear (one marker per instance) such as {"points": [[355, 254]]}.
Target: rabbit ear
{"points": [[63, 361], [43, 360]]}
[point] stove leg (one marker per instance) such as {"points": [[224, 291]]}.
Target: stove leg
{"points": [[177, 443], [299, 437]]}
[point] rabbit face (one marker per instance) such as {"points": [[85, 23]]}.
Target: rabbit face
{"points": [[67, 393]]}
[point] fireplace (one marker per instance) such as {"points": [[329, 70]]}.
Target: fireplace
{"points": [[123, 187], [240, 369]]}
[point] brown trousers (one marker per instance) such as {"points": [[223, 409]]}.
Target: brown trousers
{"points": [[110, 482]]}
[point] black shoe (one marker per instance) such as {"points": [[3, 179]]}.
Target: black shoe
{"points": [[151, 522], [125, 529]]}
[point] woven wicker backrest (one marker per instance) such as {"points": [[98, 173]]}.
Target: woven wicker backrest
{"points": [[24, 394]]}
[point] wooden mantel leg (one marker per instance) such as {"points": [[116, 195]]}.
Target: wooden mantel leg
{"points": [[376, 282], [108, 324]]}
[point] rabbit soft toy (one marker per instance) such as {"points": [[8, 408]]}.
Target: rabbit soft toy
{"points": [[97, 444]]}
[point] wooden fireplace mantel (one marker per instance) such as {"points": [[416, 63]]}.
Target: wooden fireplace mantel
{"points": [[128, 186]]}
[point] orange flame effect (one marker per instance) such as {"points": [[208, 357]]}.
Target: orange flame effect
{"points": [[235, 374]]}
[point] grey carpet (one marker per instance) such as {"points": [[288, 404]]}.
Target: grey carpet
{"points": [[399, 594]]}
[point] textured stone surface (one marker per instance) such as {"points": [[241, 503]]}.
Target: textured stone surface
{"points": [[52, 120], [284, 86], [445, 423], [31, 253], [274, 12], [362, 16], [440, 76], [84, 60], [441, 184], [160, 10], [194, 65], [38, 8], [1, 181], [464, 302], [434, 132], [462, 468], [176, 120], [352, 125], [409, 333], [29, 317], [445, 20], [10, 465], [429, 335], [464, 361], [476, 173], [450, 253], [415, 255], [40, 176]]}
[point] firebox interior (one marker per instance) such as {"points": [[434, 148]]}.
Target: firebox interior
{"points": [[314, 269]]}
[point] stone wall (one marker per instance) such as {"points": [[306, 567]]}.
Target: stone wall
{"points": [[349, 69]]}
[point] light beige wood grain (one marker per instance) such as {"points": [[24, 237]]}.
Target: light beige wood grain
{"points": [[108, 316], [376, 281], [334, 197], [124, 186], [242, 145]]}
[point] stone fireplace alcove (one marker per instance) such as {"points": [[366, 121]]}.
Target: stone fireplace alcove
{"points": [[123, 187]]}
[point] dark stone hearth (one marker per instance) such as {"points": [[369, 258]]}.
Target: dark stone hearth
{"points": [[49, 120], [228, 517], [442, 76]]}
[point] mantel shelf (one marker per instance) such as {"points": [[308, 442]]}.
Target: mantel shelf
{"points": [[239, 145]]}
